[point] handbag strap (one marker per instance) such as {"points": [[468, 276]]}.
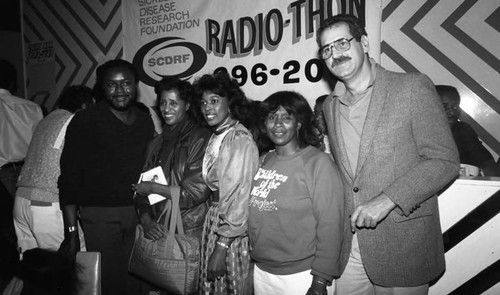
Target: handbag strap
{"points": [[168, 208], [165, 211], [172, 206], [175, 219]]}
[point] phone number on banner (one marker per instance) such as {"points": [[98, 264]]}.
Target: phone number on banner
{"points": [[259, 74]]}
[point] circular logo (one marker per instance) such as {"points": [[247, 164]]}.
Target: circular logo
{"points": [[168, 57]]}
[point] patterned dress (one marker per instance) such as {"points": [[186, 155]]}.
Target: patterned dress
{"points": [[231, 160]]}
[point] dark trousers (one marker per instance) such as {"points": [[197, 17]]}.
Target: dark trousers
{"points": [[111, 231], [9, 173], [8, 180]]}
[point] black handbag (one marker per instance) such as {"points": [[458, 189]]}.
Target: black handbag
{"points": [[173, 262]]}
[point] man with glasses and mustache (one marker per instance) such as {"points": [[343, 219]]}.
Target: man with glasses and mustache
{"points": [[390, 138], [103, 155]]}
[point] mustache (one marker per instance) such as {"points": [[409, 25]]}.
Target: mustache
{"points": [[339, 60], [124, 95]]}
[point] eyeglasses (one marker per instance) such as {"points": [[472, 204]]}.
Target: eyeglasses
{"points": [[340, 45]]}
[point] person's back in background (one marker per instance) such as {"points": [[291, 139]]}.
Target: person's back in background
{"points": [[18, 120], [37, 215]]}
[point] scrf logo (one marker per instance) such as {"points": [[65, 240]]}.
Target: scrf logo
{"points": [[168, 57]]}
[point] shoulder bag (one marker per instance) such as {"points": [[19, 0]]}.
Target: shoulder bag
{"points": [[173, 262]]}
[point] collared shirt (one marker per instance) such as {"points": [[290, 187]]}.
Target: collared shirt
{"points": [[18, 120], [353, 110]]}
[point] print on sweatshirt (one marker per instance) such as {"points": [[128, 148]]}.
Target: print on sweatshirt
{"points": [[269, 180]]}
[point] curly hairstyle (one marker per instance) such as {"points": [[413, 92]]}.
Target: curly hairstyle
{"points": [[295, 104], [222, 84], [73, 97], [356, 27], [8, 76], [186, 93], [103, 69]]}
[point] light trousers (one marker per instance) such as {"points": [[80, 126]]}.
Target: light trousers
{"points": [[355, 281], [40, 226], [295, 284]]}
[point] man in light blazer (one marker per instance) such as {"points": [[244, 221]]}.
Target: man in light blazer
{"points": [[391, 141]]}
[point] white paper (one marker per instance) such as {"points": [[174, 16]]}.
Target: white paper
{"points": [[155, 175]]}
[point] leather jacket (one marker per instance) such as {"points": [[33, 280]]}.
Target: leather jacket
{"points": [[186, 159]]}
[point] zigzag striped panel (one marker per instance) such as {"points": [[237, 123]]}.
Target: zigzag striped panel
{"points": [[454, 42], [470, 220], [85, 33]]}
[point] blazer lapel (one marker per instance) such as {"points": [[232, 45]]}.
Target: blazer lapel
{"points": [[377, 102], [332, 112]]}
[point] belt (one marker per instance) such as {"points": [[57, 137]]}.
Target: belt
{"points": [[40, 203]]}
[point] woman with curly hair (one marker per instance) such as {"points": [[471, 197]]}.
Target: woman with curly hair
{"points": [[230, 162]]}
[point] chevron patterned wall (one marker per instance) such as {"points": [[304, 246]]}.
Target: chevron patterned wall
{"points": [[85, 34], [455, 42]]}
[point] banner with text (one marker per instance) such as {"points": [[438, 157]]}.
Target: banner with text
{"points": [[267, 45]]}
